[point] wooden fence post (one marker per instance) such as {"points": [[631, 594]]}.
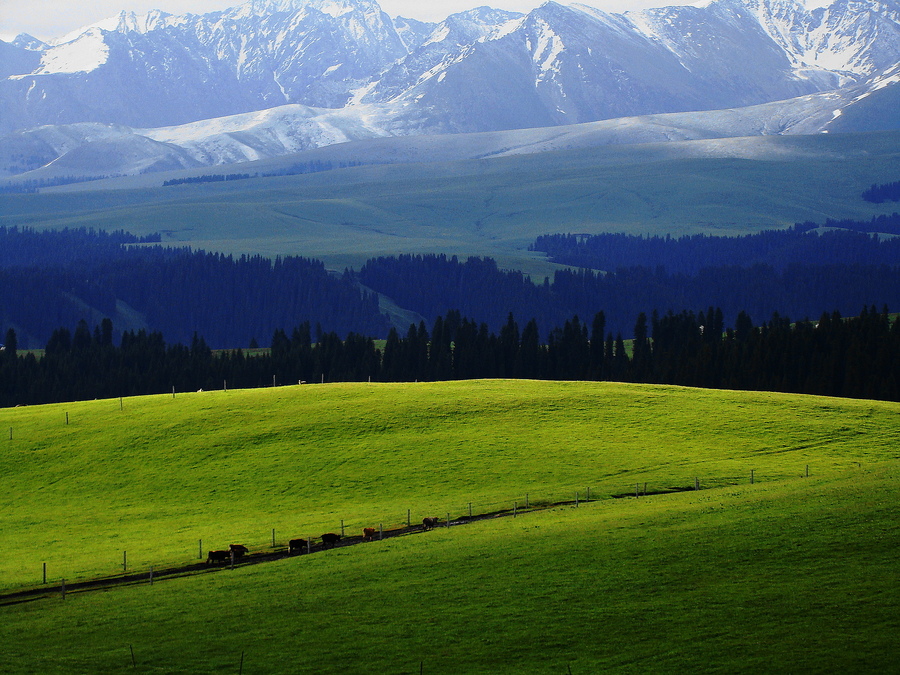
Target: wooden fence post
{"points": [[151, 575], [45, 573], [201, 550], [408, 515], [62, 590], [751, 476], [273, 537], [124, 561], [696, 483], [448, 519], [380, 531], [342, 528]]}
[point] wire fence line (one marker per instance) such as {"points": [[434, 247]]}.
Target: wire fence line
{"points": [[351, 532]]}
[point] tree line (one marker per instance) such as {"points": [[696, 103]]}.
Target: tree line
{"points": [[208, 178], [432, 285], [878, 194], [855, 357], [51, 279], [836, 242]]}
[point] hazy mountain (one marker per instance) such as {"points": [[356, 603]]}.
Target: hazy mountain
{"points": [[288, 75]]}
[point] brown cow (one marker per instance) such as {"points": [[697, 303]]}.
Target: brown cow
{"points": [[239, 550], [429, 523], [218, 557], [368, 533], [297, 546], [330, 539]]}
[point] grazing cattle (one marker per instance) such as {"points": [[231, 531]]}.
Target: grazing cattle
{"points": [[330, 539], [214, 557], [239, 550], [368, 533], [297, 546], [429, 523]]}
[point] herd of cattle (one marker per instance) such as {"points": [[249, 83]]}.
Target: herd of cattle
{"points": [[296, 546]]}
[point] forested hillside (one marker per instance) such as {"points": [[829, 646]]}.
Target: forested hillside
{"points": [[50, 280], [54, 279], [794, 274]]}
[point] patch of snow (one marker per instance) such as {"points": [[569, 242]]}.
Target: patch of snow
{"points": [[885, 82], [546, 52], [504, 29], [438, 35], [82, 55]]}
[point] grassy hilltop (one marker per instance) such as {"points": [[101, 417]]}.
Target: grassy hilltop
{"points": [[791, 573]]}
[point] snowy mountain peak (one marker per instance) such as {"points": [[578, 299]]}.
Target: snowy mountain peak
{"points": [[29, 42], [334, 8], [478, 70]]}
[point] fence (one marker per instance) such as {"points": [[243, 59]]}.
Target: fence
{"points": [[351, 532]]}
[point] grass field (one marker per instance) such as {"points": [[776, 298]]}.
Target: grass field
{"points": [[792, 573], [494, 207]]}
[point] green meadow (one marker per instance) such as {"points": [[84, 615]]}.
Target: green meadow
{"points": [[793, 573], [492, 207]]}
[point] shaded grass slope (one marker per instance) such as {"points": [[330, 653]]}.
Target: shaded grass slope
{"points": [[794, 573]]}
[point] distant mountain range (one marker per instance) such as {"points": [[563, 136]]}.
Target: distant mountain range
{"points": [[267, 78]]}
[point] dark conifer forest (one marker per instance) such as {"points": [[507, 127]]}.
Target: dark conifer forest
{"points": [[856, 357], [62, 290], [50, 280], [797, 273], [878, 194]]}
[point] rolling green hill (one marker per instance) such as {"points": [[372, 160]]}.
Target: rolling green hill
{"points": [[492, 207], [792, 572]]}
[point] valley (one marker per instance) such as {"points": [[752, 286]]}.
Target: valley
{"points": [[488, 207]]}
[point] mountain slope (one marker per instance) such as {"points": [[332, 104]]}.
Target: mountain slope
{"points": [[478, 70], [359, 135]]}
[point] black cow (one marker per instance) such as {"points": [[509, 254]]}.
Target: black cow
{"points": [[214, 557], [239, 550], [297, 546], [330, 539], [369, 533], [429, 523]]}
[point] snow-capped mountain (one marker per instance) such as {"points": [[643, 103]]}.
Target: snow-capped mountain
{"points": [[337, 70]]}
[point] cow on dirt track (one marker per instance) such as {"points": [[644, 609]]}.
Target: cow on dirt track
{"points": [[429, 523], [214, 557], [330, 539], [239, 550], [297, 546], [368, 533]]}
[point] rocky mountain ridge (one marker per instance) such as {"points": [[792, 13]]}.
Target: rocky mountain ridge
{"points": [[338, 70]]}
